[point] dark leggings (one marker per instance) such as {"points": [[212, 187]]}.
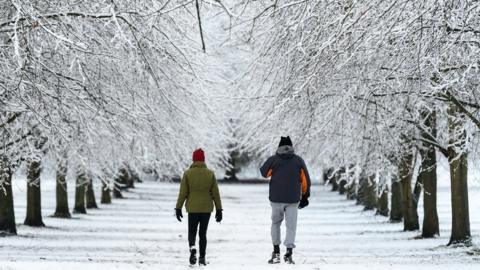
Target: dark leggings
{"points": [[194, 219]]}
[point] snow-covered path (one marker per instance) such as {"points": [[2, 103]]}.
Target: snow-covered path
{"points": [[140, 232]]}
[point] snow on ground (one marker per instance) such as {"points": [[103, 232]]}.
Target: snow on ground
{"points": [[140, 232]]}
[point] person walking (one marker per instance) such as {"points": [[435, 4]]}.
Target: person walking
{"points": [[200, 191], [289, 190]]}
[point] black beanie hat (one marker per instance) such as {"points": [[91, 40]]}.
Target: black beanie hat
{"points": [[285, 141]]}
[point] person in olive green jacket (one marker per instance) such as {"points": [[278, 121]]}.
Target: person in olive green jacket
{"points": [[199, 188]]}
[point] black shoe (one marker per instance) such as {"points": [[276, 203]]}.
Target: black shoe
{"points": [[193, 256], [288, 258], [201, 261], [275, 258]]}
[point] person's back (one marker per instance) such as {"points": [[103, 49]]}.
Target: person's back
{"points": [[287, 176], [200, 184], [200, 191], [289, 185]]}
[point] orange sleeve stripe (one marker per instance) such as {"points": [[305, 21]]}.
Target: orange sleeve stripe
{"points": [[269, 173], [303, 179]]}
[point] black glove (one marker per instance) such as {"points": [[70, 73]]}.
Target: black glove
{"points": [[303, 202], [178, 213], [218, 215]]}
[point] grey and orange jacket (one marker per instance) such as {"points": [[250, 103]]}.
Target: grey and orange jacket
{"points": [[289, 176]]}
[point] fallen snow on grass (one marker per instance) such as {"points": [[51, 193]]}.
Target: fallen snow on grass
{"points": [[140, 232]]}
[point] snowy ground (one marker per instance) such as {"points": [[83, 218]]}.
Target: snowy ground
{"points": [[141, 232]]}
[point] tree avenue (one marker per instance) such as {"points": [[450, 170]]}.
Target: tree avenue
{"points": [[377, 94]]}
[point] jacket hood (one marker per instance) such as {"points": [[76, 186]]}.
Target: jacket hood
{"points": [[285, 151]]}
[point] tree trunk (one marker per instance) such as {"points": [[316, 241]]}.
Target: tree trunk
{"points": [[330, 178], [351, 191], [342, 186], [326, 173], [91, 202], [362, 182], [62, 210], [106, 197], [80, 190], [34, 200], [131, 177], [120, 183], [459, 180], [130, 182], [342, 181], [117, 193], [428, 176], [7, 211], [232, 170], [122, 178], [396, 213], [334, 183], [370, 193], [410, 215], [382, 203], [459, 191], [417, 190]]}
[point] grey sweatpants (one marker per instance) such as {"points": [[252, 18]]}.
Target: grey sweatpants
{"points": [[287, 211]]}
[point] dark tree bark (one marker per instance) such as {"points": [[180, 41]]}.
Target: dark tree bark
{"points": [[132, 177], [428, 174], [342, 181], [417, 190], [325, 175], [329, 175], [428, 177], [106, 197], [410, 215], [91, 202], [459, 180], [333, 180], [62, 210], [382, 203], [7, 211], [117, 193], [34, 199], [231, 173], [351, 183], [130, 182], [459, 193], [80, 190], [396, 213], [119, 183], [351, 191], [370, 193], [122, 178], [362, 182]]}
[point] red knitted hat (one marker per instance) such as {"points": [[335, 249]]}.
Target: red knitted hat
{"points": [[198, 155]]}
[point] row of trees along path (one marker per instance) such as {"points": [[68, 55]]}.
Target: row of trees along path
{"points": [[124, 179], [373, 193]]}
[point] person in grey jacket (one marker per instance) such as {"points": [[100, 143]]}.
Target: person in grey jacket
{"points": [[289, 191]]}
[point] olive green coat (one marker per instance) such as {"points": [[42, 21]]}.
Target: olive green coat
{"points": [[199, 188]]}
